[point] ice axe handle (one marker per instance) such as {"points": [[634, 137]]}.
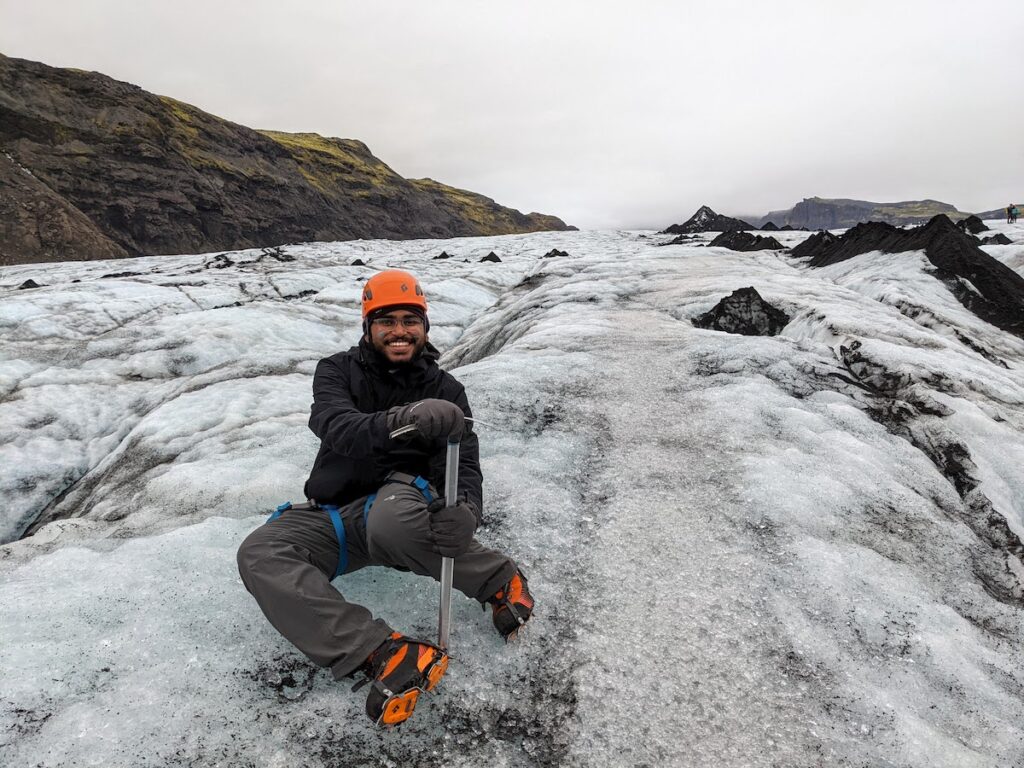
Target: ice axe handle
{"points": [[451, 486], [408, 429]]}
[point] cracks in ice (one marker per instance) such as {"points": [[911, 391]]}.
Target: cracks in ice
{"points": [[899, 400], [134, 457], [84, 338], [187, 295], [75, 500], [928, 319], [506, 321], [904, 408], [511, 318]]}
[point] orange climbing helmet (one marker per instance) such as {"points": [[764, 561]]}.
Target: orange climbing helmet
{"points": [[393, 288]]}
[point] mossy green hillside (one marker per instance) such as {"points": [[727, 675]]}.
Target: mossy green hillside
{"points": [[481, 214], [479, 210], [919, 210], [332, 165], [911, 210], [207, 143]]}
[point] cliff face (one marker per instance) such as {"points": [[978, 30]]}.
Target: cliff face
{"points": [[823, 213], [37, 224], [153, 175]]}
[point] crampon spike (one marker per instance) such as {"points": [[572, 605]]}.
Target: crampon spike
{"points": [[399, 708]]}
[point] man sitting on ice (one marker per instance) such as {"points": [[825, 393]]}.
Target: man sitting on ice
{"points": [[373, 501]]}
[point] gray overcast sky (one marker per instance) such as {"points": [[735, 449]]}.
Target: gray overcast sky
{"points": [[608, 114]]}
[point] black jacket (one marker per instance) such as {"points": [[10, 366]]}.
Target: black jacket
{"points": [[351, 392]]}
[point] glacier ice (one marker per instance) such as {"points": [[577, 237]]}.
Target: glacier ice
{"points": [[746, 551]]}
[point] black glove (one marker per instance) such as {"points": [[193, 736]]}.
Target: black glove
{"points": [[432, 418], [452, 528]]}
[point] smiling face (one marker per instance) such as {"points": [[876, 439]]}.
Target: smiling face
{"points": [[398, 335]]}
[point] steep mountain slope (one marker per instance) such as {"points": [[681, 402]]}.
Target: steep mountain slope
{"points": [[157, 176], [706, 220], [37, 224], [482, 215]]}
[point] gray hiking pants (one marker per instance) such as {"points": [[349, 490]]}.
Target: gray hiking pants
{"points": [[288, 564]]}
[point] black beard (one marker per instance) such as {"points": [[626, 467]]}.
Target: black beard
{"points": [[402, 364]]}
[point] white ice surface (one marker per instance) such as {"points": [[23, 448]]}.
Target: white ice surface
{"points": [[737, 561]]}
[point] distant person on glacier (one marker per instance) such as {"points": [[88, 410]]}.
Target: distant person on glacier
{"points": [[1014, 213], [1009, 214], [373, 501]]}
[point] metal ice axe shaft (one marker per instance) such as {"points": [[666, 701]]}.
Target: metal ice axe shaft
{"points": [[451, 488]]}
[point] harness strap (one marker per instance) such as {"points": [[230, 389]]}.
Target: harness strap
{"points": [[424, 487], [366, 507], [339, 527], [279, 511], [339, 531], [304, 506], [399, 477], [414, 480]]}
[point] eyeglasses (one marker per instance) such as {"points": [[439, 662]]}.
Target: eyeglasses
{"points": [[409, 321]]}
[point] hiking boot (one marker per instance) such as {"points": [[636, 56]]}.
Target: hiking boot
{"points": [[512, 606], [400, 669]]}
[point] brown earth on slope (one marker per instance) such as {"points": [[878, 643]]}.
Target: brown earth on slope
{"points": [[38, 225], [154, 175]]}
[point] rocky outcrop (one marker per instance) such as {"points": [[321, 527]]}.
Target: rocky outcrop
{"points": [[997, 239], [681, 240], [153, 175], [706, 220], [745, 241], [769, 226], [819, 242], [981, 283], [972, 225], [744, 312]]}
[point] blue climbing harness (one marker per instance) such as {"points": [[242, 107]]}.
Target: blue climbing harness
{"points": [[399, 477], [339, 528]]}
